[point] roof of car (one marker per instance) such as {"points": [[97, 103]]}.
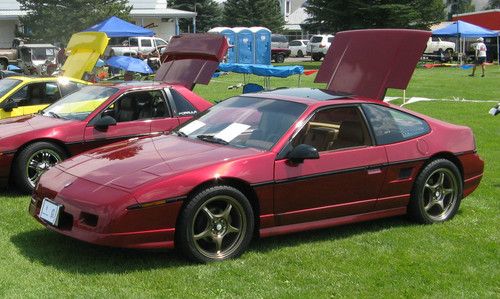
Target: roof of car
{"points": [[305, 93], [46, 79]]}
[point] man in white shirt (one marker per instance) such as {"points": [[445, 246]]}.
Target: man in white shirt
{"points": [[480, 56]]}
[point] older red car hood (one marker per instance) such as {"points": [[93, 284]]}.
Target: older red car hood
{"points": [[129, 164], [367, 62], [27, 124]]}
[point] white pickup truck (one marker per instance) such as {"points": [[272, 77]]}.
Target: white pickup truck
{"points": [[135, 45], [436, 45]]}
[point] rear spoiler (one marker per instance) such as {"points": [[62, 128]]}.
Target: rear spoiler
{"points": [[367, 62], [192, 58], [84, 50]]}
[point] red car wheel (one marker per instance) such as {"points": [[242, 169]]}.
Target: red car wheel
{"points": [[216, 224], [437, 192]]}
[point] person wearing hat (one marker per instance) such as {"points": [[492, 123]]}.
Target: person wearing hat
{"points": [[480, 56]]}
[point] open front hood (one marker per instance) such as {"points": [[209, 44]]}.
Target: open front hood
{"points": [[85, 49], [367, 62], [192, 58]]}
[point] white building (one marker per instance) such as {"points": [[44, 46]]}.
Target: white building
{"points": [[153, 14]]}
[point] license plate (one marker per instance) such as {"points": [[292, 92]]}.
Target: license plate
{"points": [[50, 211]]}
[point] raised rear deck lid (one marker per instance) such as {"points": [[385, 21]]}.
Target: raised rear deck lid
{"points": [[367, 62], [84, 50], [192, 58]]}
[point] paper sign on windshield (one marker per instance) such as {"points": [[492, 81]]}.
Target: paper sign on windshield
{"points": [[231, 132], [192, 126]]}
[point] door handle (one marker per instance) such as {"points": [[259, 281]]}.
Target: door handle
{"points": [[374, 170]]}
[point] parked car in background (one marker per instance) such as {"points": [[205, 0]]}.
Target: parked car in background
{"points": [[33, 59], [298, 47], [319, 45], [104, 113], [133, 46], [21, 95], [271, 163], [5, 74], [279, 48], [437, 46]]}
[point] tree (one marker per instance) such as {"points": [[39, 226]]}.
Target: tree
{"points": [[492, 4], [459, 6], [209, 14], [57, 20], [338, 15], [247, 13]]}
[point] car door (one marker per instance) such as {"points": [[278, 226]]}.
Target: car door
{"points": [[163, 119], [34, 97], [346, 178], [131, 120]]}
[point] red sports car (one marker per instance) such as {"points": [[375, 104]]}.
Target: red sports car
{"points": [[272, 163], [105, 113]]}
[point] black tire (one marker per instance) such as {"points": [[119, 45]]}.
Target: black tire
{"points": [[436, 193], [279, 58], [229, 215], [300, 53], [26, 176], [316, 56]]}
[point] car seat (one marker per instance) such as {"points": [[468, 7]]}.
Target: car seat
{"points": [[350, 135], [126, 109]]}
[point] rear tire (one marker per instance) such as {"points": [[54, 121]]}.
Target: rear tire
{"points": [[279, 58], [33, 161], [215, 225], [316, 56], [436, 193]]}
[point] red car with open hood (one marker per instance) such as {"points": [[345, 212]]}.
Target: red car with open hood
{"points": [[272, 163], [104, 113]]}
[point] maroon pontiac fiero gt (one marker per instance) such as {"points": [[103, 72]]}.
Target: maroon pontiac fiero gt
{"points": [[104, 113], [272, 163]]}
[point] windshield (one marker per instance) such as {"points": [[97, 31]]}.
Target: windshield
{"points": [[42, 53], [7, 85], [81, 103], [244, 122]]}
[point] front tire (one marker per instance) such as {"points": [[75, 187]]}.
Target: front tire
{"points": [[217, 224], [300, 53], [33, 161], [279, 58], [436, 193], [316, 56]]}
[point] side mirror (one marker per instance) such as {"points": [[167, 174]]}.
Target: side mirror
{"points": [[104, 122], [9, 105], [302, 152]]}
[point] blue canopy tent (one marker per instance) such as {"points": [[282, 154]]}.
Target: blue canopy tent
{"points": [[116, 27], [266, 71], [462, 30]]}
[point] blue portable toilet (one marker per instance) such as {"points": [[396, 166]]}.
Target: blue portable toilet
{"points": [[262, 45], [231, 39], [244, 45]]}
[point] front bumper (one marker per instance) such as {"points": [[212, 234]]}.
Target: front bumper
{"points": [[111, 225]]}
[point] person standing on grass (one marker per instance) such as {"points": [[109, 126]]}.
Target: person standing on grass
{"points": [[480, 56]]}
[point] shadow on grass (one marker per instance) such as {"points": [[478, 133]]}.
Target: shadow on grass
{"points": [[61, 252]]}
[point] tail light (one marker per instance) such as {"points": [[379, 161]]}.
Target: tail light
{"points": [[322, 45]]}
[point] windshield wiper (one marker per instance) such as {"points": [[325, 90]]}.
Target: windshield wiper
{"points": [[53, 114], [180, 134], [212, 138]]}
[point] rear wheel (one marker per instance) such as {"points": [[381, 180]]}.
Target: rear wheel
{"points": [[437, 192], [316, 56], [216, 224], [279, 58], [33, 161]]}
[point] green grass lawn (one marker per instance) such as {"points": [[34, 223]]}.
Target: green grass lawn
{"points": [[386, 258]]}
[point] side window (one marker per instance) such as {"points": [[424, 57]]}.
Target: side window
{"points": [[295, 43], [134, 42], [330, 39], [37, 94], [138, 106], [183, 107], [333, 129], [390, 125], [160, 42], [146, 43], [52, 93]]}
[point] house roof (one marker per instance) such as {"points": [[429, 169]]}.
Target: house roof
{"points": [[295, 19]]}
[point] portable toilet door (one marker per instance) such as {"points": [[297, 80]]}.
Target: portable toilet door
{"points": [[244, 45], [231, 40], [262, 42]]}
